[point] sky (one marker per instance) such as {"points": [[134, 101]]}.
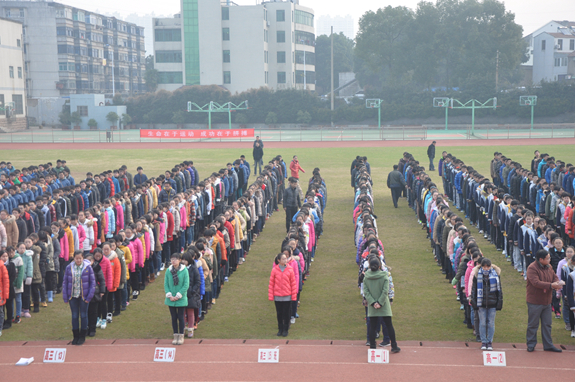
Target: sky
{"points": [[531, 14]]}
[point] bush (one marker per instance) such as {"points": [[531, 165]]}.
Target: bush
{"points": [[75, 118], [92, 123], [241, 118], [271, 118], [303, 117], [112, 117]]}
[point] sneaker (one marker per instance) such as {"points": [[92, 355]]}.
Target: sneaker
{"points": [[162, 267], [213, 301], [297, 315], [226, 279], [504, 253], [366, 344], [292, 321], [489, 346], [384, 344], [395, 350], [558, 315], [190, 333], [312, 259], [109, 317], [483, 346], [157, 274], [26, 315], [567, 327], [44, 304], [461, 307], [103, 325], [99, 322], [17, 320], [572, 333]]}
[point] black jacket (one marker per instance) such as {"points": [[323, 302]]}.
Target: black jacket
{"points": [[431, 151], [100, 282], [395, 179], [194, 298], [291, 197], [258, 152], [490, 299], [22, 230]]}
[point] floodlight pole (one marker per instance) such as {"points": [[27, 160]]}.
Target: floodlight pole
{"points": [[210, 115], [446, 111], [229, 116], [532, 107], [472, 117]]}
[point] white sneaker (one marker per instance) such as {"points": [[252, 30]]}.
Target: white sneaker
{"points": [[109, 317], [312, 259], [504, 253], [99, 322], [572, 333], [157, 274], [162, 267], [292, 321], [104, 324]]}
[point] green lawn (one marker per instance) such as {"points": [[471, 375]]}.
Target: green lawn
{"points": [[424, 309]]}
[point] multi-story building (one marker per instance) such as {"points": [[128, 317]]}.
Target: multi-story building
{"points": [[12, 76], [270, 44], [73, 51], [340, 24], [554, 55]]}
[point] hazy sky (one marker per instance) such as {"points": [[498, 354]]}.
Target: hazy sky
{"points": [[531, 14]]}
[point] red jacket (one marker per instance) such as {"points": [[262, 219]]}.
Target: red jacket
{"points": [[231, 233], [170, 230], [4, 284], [295, 169], [282, 283], [116, 269]]}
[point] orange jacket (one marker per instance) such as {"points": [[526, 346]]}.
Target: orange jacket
{"points": [[4, 284], [295, 169], [116, 272]]}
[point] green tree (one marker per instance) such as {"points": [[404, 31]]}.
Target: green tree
{"points": [[126, 119], [64, 115], [303, 117], [342, 60], [271, 118], [241, 118], [75, 118], [112, 117], [92, 123], [151, 77], [118, 100]]}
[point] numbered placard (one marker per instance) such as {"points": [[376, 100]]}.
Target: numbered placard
{"points": [[54, 355], [164, 354], [377, 356], [494, 358], [269, 355]]}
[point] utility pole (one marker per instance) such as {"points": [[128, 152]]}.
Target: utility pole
{"points": [[497, 72], [332, 95]]}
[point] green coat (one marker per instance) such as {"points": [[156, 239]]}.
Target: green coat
{"points": [[181, 288], [376, 289]]}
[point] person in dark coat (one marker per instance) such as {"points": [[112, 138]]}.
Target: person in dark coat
{"points": [[22, 227], [194, 299], [431, 155], [397, 183], [258, 154]]}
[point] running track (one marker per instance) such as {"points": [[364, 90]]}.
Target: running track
{"points": [[272, 144], [236, 360]]}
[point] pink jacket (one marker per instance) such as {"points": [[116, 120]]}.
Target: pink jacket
{"points": [[137, 254], [311, 241], [148, 244], [162, 234], [64, 247], [282, 283], [183, 218], [119, 216], [107, 271], [81, 236], [468, 282], [295, 268]]}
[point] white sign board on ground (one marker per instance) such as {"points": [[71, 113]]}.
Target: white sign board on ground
{"points": [[164, 354], [54, 355], [269, 355], [494, 358], [377, 356]]}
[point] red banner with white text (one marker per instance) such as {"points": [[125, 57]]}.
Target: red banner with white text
{"points": [[196, 134]]}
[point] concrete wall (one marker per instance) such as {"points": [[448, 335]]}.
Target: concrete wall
{"points": [[45, 111], [210, 26], [543, 60], [168, 23]]}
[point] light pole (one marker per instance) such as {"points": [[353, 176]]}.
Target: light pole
{"points": [[113, 79]]}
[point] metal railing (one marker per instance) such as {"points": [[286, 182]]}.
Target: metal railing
{"points": [[312, 133]]}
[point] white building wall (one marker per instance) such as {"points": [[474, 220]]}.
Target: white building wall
{"points": [[210, 26], [168, 23], [543, 60]]}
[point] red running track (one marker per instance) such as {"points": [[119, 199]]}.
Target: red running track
{"points": [[272, 144], [300, 360]]}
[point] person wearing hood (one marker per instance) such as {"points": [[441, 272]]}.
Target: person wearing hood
{"points": [[11, 228], [176, 285], [78, 290], [376, 293], [486, 299]]}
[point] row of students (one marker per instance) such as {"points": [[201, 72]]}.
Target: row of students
{"points": [[374, 278], [476, 280], [141, 226], [291, 266]]}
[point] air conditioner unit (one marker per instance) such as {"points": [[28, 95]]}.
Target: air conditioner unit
{"points": [[557, 47]]}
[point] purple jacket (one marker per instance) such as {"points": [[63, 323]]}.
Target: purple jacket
{"points": [[88, 282]]}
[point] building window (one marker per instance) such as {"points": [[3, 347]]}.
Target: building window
{"points": [[543, 44], [226, 34], [82, 110], [168, 34], [266, 77], [265, 35], [18, 43], [304, 18], [2, 100], [227, 78], [280, 15], [170, 78], [18, 104], [302, 57], [225, 13], [309, 77], [571, 44], [226, 56], [11, 71], [21, 13], [304, 38], [19, 72], [265, 56], [560, 43], [557, 62], [282, 58], [163, 56], [281, 77], [281, 36]]}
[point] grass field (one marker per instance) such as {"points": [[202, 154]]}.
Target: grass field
{"points": [[424, 308]]}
